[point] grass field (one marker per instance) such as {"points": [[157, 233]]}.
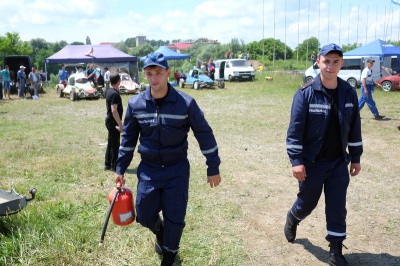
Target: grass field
{"points": [[57, 146]]}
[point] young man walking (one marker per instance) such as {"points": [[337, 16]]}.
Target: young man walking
{"points": [[324, 123], [367, 87], [160, 118]]}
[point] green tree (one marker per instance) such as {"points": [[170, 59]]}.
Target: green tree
{"points": [[142, 50], [11, 44], [306, 48], [349, 47], [77, 43], [121, 46], [130, 42]]}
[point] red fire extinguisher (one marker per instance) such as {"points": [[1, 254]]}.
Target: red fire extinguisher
{"points": [[121, 208]]}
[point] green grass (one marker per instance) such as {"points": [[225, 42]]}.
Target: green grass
{"points": [[57, 146]]}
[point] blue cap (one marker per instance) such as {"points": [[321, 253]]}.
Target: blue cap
{"points": [[155, 59], [326, 49]]}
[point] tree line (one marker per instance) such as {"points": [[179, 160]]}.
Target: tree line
{"points": [[267, 51]]}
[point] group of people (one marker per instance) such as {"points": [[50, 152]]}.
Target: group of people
{"points": [[36, 81], [158, 121], [179, 75]]}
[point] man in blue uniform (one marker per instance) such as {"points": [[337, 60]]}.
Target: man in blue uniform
{"points": [[325, 121], [160, 118]]}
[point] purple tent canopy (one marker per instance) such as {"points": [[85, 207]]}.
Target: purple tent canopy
{"points": [[90, 54]]}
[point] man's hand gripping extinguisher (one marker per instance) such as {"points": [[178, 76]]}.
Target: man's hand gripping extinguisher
{"points": [[121, 208]]}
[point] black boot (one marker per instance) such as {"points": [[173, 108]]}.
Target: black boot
{"points": [[168, 258], [158, 245], [336, 257], [291, 227]]}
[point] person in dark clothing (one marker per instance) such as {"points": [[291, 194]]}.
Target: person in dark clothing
{"points": [[324, 124], [160, 119], [113, 122]]}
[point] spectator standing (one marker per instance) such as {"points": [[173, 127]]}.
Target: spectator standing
{"points": [[91, 75], [182, 75], [248, 56], [160, 119], [21, 77], [313, 58], [323, 138], [367, 87], [1, 85], [228, 54], [34, 79], [5, 73], [211, 68], [42, 78], [107, 78], [113, 122], [63, 75], [177, 76]]}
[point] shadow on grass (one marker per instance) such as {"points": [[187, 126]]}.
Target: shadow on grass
{"points": [[362, 258]]}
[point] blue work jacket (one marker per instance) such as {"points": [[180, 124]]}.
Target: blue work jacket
{"points": [[163, 131], [310, 114]]}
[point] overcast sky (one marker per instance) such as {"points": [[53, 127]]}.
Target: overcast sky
{"points": [[291, 21]]}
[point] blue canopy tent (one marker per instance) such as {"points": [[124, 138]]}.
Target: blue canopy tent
{"points": [[169, 54], [376, 48]]}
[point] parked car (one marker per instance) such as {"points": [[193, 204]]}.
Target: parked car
{"points": [[78, 87], [198, 80], [390, 82], [128, 86]]}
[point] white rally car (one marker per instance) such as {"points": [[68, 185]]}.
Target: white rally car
{"points": [[78, 87]]}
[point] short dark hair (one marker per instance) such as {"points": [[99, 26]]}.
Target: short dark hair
{"points": [[114, 78]]}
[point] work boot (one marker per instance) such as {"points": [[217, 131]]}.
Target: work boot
{"points": [[336, 257], [291, 227], [158, 245], [168, 258]]}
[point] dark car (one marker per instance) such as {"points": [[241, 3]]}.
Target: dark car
{"points": [[14, 62]]}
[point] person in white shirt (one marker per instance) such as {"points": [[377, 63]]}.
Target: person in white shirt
{"points": [[367, 87], [107, 78]]}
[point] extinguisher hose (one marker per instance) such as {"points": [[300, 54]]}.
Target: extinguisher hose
{"points": [[103, 233]]}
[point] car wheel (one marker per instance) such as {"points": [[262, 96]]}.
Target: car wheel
{"points": [[196, 85], [386, 86], [72, 96], [309, 79], [230, 78], [352, 82], [221, 84], [60, 89], [181, 83]]}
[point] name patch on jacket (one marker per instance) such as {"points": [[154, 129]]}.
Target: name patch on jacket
{"points": [[318, 108]]}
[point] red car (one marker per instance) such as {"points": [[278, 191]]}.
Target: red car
{"points": [[390, 82]]}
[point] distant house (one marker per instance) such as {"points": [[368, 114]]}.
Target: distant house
{"points": [[180, 45]]}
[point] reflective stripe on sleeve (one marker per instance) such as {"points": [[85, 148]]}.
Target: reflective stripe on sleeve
{"points": [[126, 148], [299, 147], [210, 150], [354, 144]]}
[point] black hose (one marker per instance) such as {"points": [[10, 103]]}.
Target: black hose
{"points": [[103, 233]]}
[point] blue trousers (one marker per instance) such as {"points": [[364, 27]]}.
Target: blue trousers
{"points": [[333, 178], [367, 98], [163, 189]]}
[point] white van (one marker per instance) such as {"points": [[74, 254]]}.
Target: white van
{"points": [[233, 69], [351, 70]]}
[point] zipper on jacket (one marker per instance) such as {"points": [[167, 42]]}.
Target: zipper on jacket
{"points": [[159, 136], [326, 128]]}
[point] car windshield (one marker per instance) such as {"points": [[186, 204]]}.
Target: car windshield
{"points": [[239, 63], [125, 77]]}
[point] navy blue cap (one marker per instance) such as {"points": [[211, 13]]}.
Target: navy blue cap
{"points": [[326, 49], [155, 59]]}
